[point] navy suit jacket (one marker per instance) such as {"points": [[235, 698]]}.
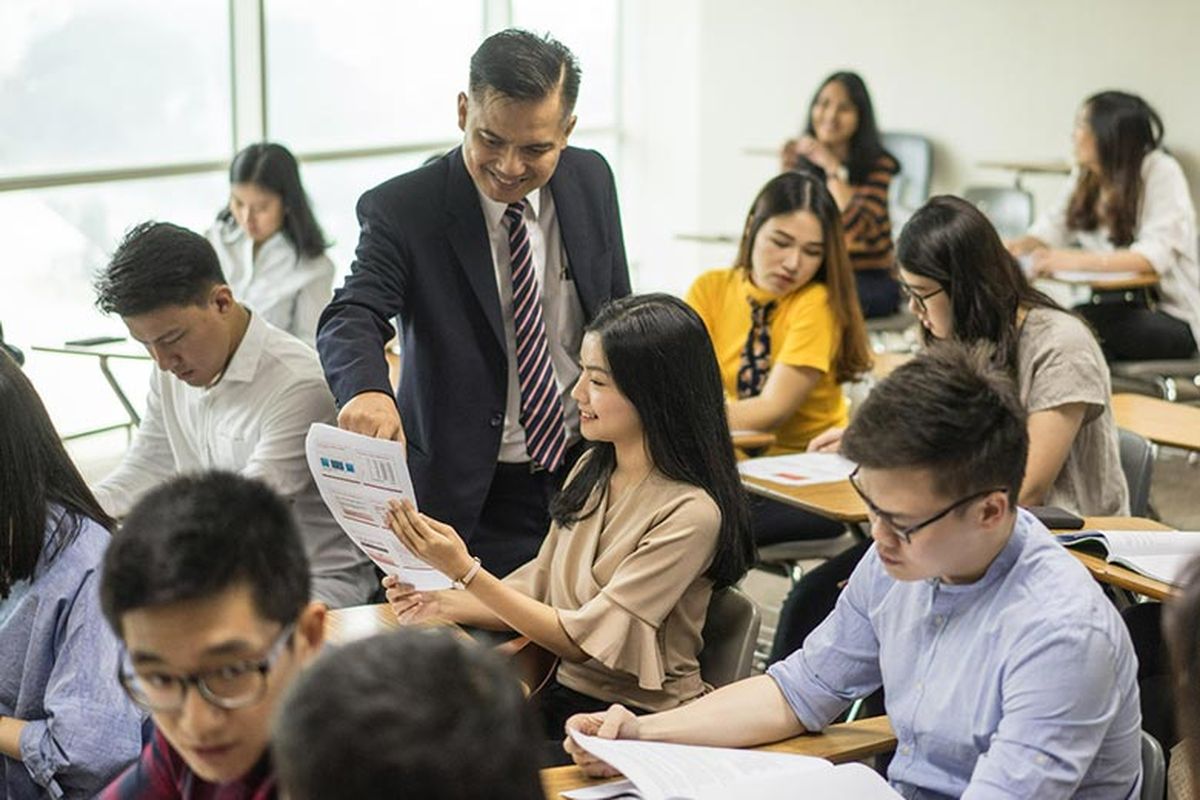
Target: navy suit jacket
{"points": [[423, 256]]}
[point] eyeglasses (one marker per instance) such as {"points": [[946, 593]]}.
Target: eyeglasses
{"points": [[911, 294], [236, 685], [904, 532]]}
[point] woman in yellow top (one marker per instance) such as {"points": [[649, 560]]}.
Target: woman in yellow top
{"points": [[787, 329]]}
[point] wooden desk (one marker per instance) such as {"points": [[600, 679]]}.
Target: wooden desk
{"points": [[837, 501], [847, 741], [886, 362], [752, 440], [1160, 421], [1143, 280], [344, 625], [1114, 574]]}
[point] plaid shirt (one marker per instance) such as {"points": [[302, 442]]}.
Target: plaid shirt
{"points": [[161, 774]]}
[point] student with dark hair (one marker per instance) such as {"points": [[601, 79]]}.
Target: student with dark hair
{"points": [[270, 245], [508, 245], [1126, 209], [231, 392], [455, 727], [787, 330], [1181, 623], [65, 728], [841, 137], [207, 586], [1007, 672], [964, 286], [650, 522]]}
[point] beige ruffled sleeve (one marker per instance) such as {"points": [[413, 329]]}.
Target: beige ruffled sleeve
{"points": [[620, 626]]}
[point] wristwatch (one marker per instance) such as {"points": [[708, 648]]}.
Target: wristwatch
{"points": [[462, 582]]}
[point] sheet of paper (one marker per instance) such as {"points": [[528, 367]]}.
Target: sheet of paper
{"points": [[357, 476], [663, 771], [854, 781], [799, 469]]}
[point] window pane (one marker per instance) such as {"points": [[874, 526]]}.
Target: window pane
{"points": [[104, 83], [590, 31], [368, 73]]}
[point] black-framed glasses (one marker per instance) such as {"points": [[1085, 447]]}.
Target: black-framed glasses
{"points": [[236, 685], [911, 294], [906, 532]]}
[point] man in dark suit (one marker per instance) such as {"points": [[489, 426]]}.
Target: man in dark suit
{"points": [[493, 258]]}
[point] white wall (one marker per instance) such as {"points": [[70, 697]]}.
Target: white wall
{"points": [[983, 80]]}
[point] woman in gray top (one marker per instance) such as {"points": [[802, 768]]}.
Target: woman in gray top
{"points": [[66, 727]]}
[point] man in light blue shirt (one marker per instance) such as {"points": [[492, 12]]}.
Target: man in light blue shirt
{"points": [[1006, 672]]}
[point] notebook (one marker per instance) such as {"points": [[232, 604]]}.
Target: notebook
{"points": [[1161, 555]]}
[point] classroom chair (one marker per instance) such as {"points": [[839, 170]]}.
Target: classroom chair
{"points": [[1154, 769], [785, 557], [1170, 379], [1137, 462], [910, 187], [1008, 208], [729, 634]]}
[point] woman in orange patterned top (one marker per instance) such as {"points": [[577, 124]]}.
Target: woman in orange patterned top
{"points": [[842, 139]]}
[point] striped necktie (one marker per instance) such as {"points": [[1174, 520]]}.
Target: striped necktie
{"points": [[541, 405]]}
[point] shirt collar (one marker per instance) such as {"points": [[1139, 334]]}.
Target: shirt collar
{"points": [[243, 365], [1001, 565], [493, 211]]}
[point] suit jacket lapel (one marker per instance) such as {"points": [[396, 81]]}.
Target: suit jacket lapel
{"points": [[577, 233], [469, 238]]}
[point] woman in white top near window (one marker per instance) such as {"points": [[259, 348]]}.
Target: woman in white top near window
{"points": [[272, 249], [1127, 209]]}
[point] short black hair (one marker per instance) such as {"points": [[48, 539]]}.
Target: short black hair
{"points": [[157, 265], [525, 66], [951, 411], [415, 710], [199, 535]]}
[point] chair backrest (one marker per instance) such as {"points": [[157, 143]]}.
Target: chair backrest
{"points": [[1010, 209], [910, 188], [730, 633], [1154, 769], [1137, 462]]}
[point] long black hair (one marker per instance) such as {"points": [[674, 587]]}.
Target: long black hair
{"points": [[866, 147], [662, 360], [272, 167], [35, 474], [950, 241], [1126, 130]]}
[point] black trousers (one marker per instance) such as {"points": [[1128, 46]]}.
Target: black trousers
{"points": [[878, 292], [811, 600], [516, 514], [1136, 333], [773, 522]]}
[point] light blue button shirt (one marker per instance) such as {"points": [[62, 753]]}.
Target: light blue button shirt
{"points": [[1022, 684], [58, 672]]}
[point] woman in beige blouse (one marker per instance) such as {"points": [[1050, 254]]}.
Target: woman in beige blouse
{"points": [[648, 523]]}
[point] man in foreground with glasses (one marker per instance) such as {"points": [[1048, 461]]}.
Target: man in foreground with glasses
{"points": [[1006, 671], [207, 586]]}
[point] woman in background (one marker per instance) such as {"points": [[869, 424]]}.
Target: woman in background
{"points": [[1127, 209], [66, 726], [271, 248], [787, 331], [842, 139]]}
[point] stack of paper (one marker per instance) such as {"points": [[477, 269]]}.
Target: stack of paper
{"points": [[799, 469]]}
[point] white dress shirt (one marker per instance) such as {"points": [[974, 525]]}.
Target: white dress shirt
{"points": [[1165, 235], [561, 309], [253, 421], [287, 289]]}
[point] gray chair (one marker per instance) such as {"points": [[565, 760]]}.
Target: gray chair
{"points": [[910, 188], [1170, 379], [730, 633], [785, 557], [1154, 769], [1009, 209], [1137, 462]]}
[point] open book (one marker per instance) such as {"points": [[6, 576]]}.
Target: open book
{"points": [[1160, 555], [661, 771]]}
